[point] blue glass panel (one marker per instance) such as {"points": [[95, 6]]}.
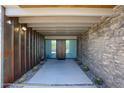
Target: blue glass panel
{"points": [[71, 48], [51, 48], [48, 48]]}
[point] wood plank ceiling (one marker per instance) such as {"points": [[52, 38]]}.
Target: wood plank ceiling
{"points": [[60, 19]]}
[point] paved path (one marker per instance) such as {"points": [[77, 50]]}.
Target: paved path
{"points": [[60, 72]]}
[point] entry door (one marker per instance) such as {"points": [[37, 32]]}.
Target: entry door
{"points": [[61, 49]]}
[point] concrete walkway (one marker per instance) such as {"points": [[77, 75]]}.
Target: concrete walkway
{"points": [[63, 72]]}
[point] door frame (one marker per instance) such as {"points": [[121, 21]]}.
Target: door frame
{"points": [[60, 39]]}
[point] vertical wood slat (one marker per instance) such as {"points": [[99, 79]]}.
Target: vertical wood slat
{"points": [[8, 78], [20, 66], [8, 53], [33, 52], [35, 48], [12, 51], [22, 38], [41, 47], [27, 49], [38, 49], [33, 58], [16, 67], [31, 65], [24, 46], [30, 47]]}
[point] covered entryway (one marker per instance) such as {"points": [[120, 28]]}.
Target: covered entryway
{"points": [[90, 35]]}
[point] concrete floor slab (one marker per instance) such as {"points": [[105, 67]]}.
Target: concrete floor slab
{"points": [[64, 72]]}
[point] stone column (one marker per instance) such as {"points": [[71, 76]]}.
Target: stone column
{"points": [[79, 50], [1, 44]]}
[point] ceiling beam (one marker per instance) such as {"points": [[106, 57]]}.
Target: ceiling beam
{"points": [[58, 19], [58, 31], [66, 6], [60, 28], [60, 34], [60, 37], [18, 12], [53, 32], [59, 25]]}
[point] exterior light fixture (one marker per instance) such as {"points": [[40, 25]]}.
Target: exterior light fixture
{"points": [[24, 28], [17, 29], [9, 22]]}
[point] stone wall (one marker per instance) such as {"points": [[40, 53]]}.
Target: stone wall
{"points": [[79, 48], [103, 48]]}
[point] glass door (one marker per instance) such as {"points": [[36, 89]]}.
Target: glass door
{"points": [[53, 48], [71, 48], [61, 48], [50, 48]]}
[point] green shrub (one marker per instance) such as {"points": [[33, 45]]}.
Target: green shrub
{"points": [[85, 68], [35, 69], [98, 81], [22, 79]]}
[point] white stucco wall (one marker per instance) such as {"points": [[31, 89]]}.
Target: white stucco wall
{"points": [[1, 45]]}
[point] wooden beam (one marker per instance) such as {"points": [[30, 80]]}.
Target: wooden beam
{"points": [[58, 12], [60, 37], [60, 29], [58, 19], [59, 25], [60, 34], [66, 6]]}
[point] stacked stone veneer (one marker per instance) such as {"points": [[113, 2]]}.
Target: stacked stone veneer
{"points": [[103, 48], [79, 48]]}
